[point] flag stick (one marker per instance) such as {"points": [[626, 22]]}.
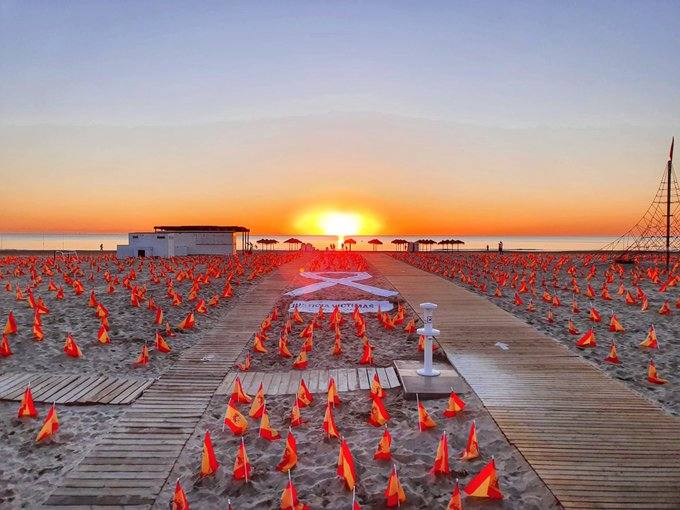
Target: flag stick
{"points": [[245, 458], [420, 427]]}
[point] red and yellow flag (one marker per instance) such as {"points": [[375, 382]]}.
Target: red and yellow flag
{"points": [[455, 503], [189, 322], [179, 498], [233, 419], [376, 388], [613, 356], [245, 366], [650, 342], [289, 458], [71, 348], [242, 466], [209, 462], [383, 452], [258, 345], [27, 408], [5, 349], [266, 431], [257, 407], [454, 406], [333, 397], [300, 362], [159, 316], [304, 396], [103, 335], [472, 447], [50, 425], [329, 426], [143, 358], [367, 356], [161, 344], [346, 469], [485, 483], [379, 415], [10, 325], [394, 494], [587, 340], [283, 347], [652, 375], [615, 326], [441, 460], [289, 498], [238, 394], [425, 421], [295, 415]]}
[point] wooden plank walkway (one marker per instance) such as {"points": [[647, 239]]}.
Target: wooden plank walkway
{"points": [[130, 465], [286, 383], [73, 389], [594, 442]]}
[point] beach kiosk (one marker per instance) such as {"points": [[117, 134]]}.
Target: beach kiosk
{"points": [[174, 241]]}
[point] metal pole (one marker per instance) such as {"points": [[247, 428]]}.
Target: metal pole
{"points": [[668, 214]]}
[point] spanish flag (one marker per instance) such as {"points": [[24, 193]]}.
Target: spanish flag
{"points": [[346, 469], [594, 315], [485, 484], [304, 396], [573, 330], [379, 415], [27, 408], [159, 316], [236, 422], [650, 342], [266, 431], [376, 388], [665, 308], [472, 446], [71, 348], [257, 407], [367, 356], [337, 347], [455, 502], [238, 394], [179, 499], [587, 340], [441, 460], [242, 466], [613, 356], [394, 493], [188, 322], [329, 426], [5, 350], [300, 362], [37, 330], [289, 458], [296, 316], [333, 397], [258, 346], [103, 336], [283, 347], [143, 358], [289, 498], [295, 415], [50, 426], [200, 307], [161, 344], [383, 451], [425, 421], [615, 326], [410, 326], [652, 375], [209, 463], [10, 325]]}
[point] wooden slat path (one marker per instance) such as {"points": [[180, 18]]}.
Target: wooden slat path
{"points": [[279, 383], [73, 389], [130, 465], [594, 442]]}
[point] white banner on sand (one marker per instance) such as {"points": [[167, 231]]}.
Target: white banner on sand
{"points": [[347, 281], [364, 305]]}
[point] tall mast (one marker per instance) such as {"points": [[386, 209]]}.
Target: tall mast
{"points": [[668, 206]]}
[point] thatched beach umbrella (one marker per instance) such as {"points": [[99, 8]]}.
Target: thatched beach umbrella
{"points": [[458, 242], [349, 242], [399, 242], [292, 241], [375, 243]]}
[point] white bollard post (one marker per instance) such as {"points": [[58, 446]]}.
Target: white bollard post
{"points": [[429, 332]]}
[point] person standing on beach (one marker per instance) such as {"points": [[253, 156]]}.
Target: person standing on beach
{"points": [[101, 247], [500, 247]]}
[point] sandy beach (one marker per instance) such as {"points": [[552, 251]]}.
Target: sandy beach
{"points": [[487, 268]]}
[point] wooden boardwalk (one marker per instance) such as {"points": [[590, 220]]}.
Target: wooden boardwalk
{"points": [[594, 442], [286, 383], [73, 389], [129, 466]]}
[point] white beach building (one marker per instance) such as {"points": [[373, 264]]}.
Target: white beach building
{"points": [[174, 241]]}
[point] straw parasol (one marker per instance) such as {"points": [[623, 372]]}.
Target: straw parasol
{"points": [[349, 242], [292, 241], [375, 243]]}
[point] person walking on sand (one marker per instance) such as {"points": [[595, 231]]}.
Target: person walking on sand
{"points": [[500, 247], [101, 247]]}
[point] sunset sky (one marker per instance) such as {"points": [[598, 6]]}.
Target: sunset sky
{"points": [[466, 118]]}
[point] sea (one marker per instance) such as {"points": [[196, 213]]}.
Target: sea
{"points": [[109, 241]]}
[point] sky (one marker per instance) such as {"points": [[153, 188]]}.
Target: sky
{"points": [[464, 118]]}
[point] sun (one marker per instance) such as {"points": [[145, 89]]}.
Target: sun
{"points": [[336, 223]]}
